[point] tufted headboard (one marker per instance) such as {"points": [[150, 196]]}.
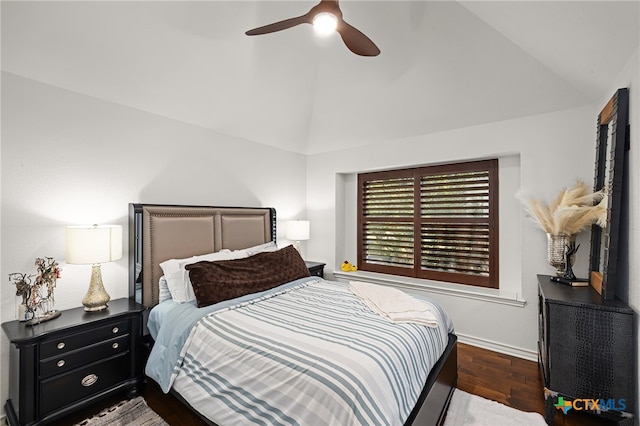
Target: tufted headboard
{"points": [[160, 232]]}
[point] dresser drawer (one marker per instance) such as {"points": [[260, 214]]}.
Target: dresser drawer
{"points": [[72, 359], [82, 339], [83, 382]]}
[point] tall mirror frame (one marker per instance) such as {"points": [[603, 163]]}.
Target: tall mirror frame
{"points": [[611, 147]]}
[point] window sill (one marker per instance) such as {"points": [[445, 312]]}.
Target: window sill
{"points": [[416, 284]]}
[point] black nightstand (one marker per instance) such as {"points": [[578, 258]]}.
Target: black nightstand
{"points": [[316, 268], [68, 363]]}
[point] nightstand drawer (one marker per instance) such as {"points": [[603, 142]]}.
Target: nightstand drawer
{"points": [[77, 384], [316, 269], [316, 272], [72, 359], [83, 339]]}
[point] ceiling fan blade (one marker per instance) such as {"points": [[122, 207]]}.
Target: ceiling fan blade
{"points": [[281, 25], [356, 41]]}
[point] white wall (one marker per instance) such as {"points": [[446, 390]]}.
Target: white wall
{"points": [[71, 159], [553, 150]]}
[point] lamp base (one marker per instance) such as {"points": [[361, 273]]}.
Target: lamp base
{"points": [[96, 298], [96, 308]]}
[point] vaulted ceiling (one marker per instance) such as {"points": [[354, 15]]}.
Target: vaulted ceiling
{"points": [[443, 64]]}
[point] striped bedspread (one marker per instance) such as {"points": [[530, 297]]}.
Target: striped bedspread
{"points": [[311, 355]]}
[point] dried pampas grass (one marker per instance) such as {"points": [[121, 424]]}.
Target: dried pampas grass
{"points": [[570, 212]]}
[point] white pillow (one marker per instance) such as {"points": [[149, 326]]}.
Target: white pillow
{"points": [[178, 278], [165, 294], [270, 246]]}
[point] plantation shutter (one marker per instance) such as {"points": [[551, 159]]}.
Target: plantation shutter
{"points": [[387, 234], [436, 222]]}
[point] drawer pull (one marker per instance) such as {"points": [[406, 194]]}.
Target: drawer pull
{"points": [[115, 330], [89, 380], [115, 345], [61, 345], [61, 363]]}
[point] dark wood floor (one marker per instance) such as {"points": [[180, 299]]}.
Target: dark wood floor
{"points": [[509, 380]]}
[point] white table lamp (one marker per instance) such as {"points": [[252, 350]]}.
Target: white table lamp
{"points": [[297, 230], [93, 245]]}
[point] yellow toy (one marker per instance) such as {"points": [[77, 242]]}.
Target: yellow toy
{"points": [[348, 267]]}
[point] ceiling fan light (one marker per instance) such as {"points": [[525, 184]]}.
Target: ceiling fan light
{"points": [[325, 23]]}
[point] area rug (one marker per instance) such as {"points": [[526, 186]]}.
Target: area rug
{"points": [[471, 410], [134, 412]]}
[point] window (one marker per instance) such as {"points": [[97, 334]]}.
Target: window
{"points": [[437, 222]]}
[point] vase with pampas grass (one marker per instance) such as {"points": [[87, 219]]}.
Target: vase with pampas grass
{"points": [[572, 211]]}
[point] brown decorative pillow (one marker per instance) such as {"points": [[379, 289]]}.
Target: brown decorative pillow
{"points": [[221, 280]]}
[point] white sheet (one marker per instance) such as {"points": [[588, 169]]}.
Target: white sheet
{"points": [[393, 304]]}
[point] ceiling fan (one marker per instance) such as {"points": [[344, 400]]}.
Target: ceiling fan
{"points": [[326, 16]]}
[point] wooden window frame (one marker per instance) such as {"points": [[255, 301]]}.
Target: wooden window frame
{"points": [[490, 223]]}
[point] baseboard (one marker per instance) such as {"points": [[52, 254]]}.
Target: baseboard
{"points": [[498, 347]]}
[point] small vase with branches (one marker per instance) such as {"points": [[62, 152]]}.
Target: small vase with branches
{"points": [[37, 291], [572, 211]]}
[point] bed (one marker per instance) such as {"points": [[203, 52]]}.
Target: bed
{"points": [[188, 361]]}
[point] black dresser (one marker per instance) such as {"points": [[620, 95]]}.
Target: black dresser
{"points": [[65, 364], [586, 351]]}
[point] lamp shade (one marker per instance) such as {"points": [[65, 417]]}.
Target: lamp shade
{"points": [[93, 244], [297, 230]]}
